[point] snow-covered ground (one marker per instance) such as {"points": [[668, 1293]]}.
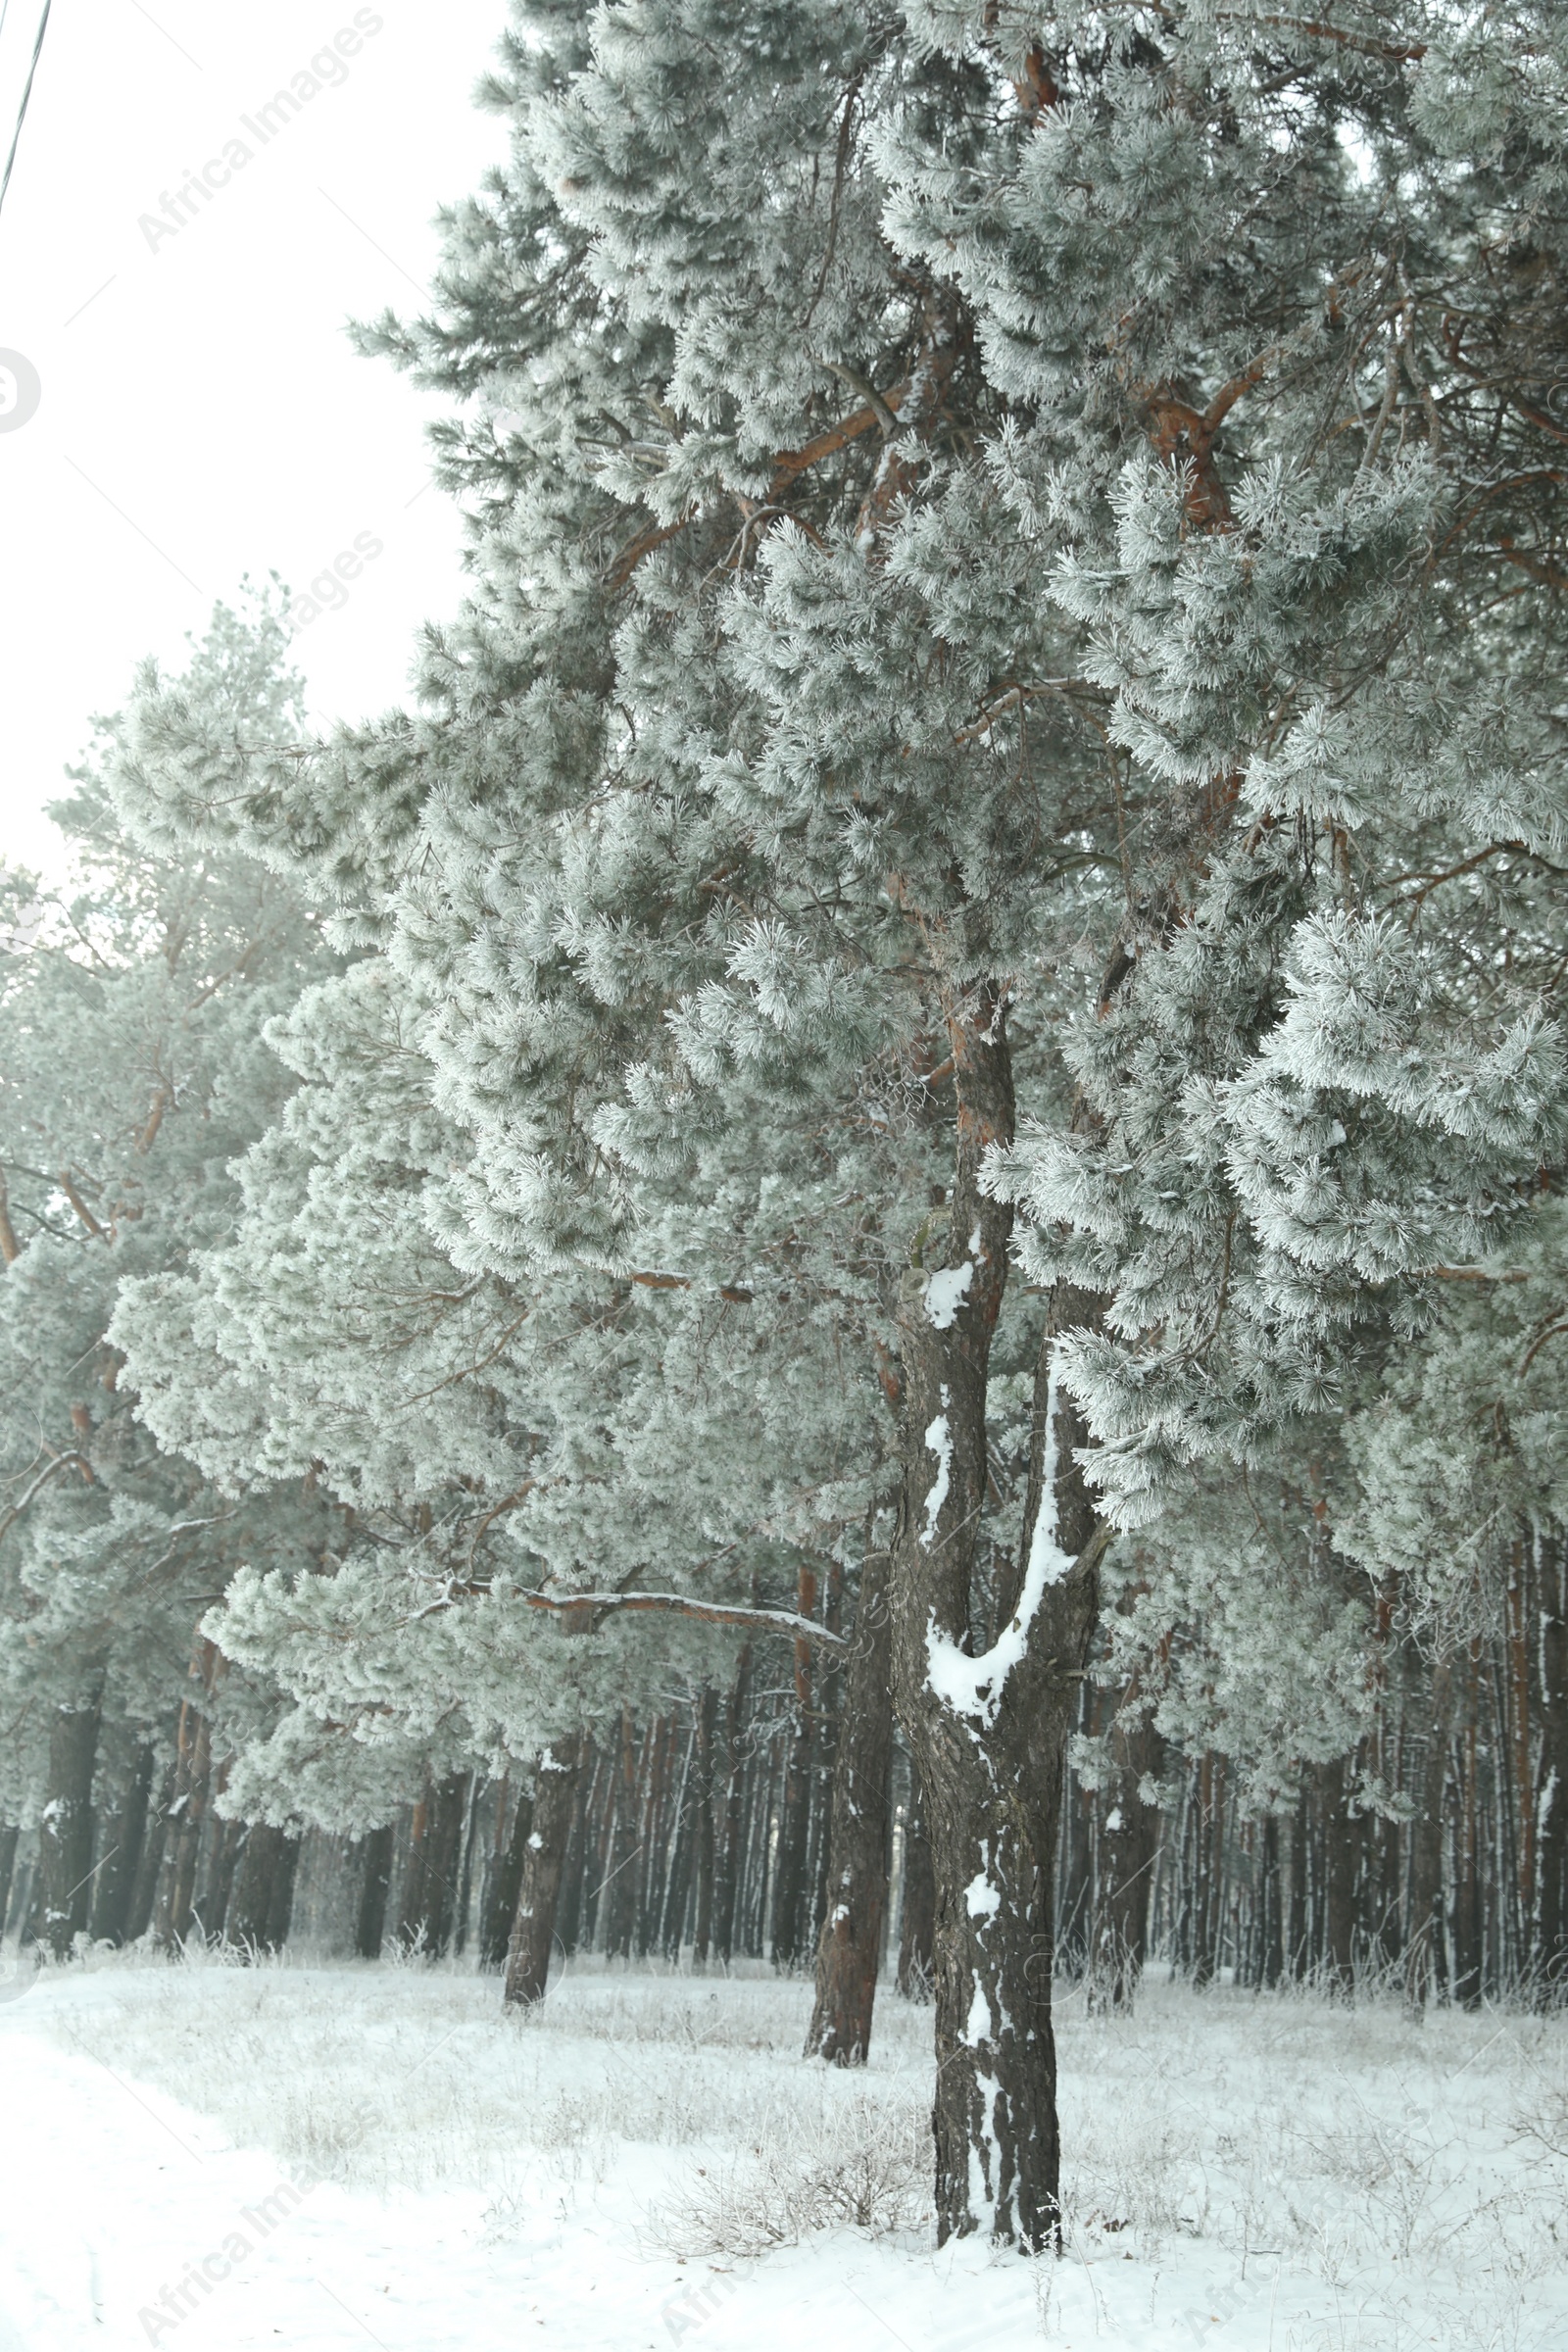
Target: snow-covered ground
{"points": [[219, 2159]]}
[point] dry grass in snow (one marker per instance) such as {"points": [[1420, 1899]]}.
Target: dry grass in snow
{"points": [[1242, 2169]]}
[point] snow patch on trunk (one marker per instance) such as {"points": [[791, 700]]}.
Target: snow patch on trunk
{"points": [[938, 1440], [973, 1687], [945, 1292]]}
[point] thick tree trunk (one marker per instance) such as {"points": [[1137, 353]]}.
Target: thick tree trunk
{"points": [[533, 1930], [370, 1924], [917, 1924], [851, 1946], [988, 1735], [115, 1879], [64, 1834]]}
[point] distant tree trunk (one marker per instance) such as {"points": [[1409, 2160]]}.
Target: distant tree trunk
{"points": [[1271, 1907], [251, 1908], [1469, 1936], [150, 1861], [824, 1755], [509, 1877], [280, 1908], [1341, 1854], [224, 1841], [187, 1814], [683, 1833], [727, 1864], [570, 1913], [369, 1926], [443, 1860], [1550, 1972], [1424, 1940], [411, 1912], [620, 1885], [64, 1834], [9, 1834], [789, 1881], [1129, 1841], [650, 1873], [851, 1946], [502, 1875], [465, 1895], [706, 1841], [116, 1881], [534, 1926], [1203, 1846], [917, 1927], [430, 1882]]}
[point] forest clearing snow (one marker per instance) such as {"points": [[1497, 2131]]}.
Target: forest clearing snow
{"points": [[376, 2154]]}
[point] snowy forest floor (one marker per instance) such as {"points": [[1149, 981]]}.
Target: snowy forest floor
{"points": [[646, 2161]]}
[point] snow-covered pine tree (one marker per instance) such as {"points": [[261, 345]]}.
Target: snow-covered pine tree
{"points": [[989, 558], [526, 1462], [134, 1001]]}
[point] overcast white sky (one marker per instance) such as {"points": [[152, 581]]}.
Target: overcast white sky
{"points": [[202, 414]]}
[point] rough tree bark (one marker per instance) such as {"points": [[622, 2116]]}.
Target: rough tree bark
{"points": [[64, 1832], [851, 1942], [533, 1930], [988, 1735]]}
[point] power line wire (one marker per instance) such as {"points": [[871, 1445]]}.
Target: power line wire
{"points": [[21, 110]]}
